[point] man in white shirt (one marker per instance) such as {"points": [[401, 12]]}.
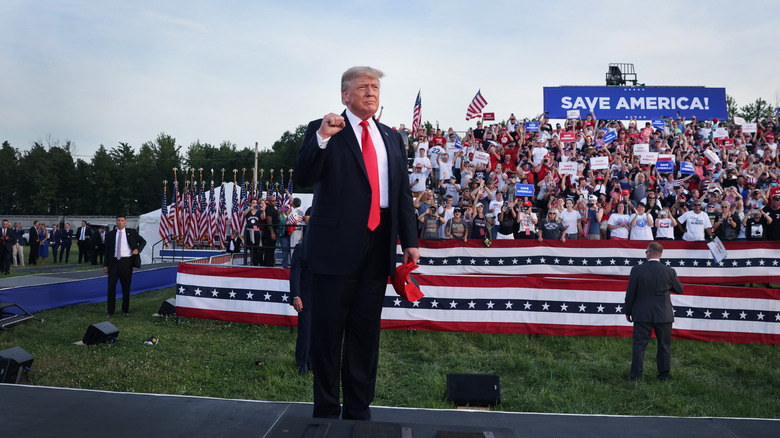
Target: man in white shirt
{"points": [[696, 224]]}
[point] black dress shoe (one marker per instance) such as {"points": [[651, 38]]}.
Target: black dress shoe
{"points": [[126, 313], [109, 315]]}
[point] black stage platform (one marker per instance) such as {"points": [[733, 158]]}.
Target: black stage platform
{"points": [[33, 411]]}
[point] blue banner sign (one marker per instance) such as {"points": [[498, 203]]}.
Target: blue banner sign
{"points": [[610, 136], [778, 111], [664, 166], [524, 189], [622, 103], [532, 126], [686, 168], [658, 124]]}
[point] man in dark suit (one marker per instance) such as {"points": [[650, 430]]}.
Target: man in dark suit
{"points": [[66, 242], [123, 247], [83, 236], [649, 306], [32, 258], [300, 293], [98, 244], [7, 241], [362, 206]]}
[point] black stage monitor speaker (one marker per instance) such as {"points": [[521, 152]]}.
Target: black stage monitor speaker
{"points": [[100, 333], [168, 307], [13, 363], [474, 389]]}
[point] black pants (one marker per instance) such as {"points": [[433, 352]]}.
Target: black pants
{"points": [[65, 249], [269, 253], [5, 259], [303, 341], [119, 270], [663, 333], [32, 258], [83, 250], [347, 311]]}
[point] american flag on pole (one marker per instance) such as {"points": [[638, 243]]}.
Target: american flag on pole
{"points": [[235, 218], [416, 115], [175, 214], [244, 203], [164, 225], [213, 239], [492, 304], [203, 219], [475, 108], [221, 213], [189, 232]]}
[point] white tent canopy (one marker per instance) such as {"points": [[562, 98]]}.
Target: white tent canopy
{"points": [[149, 223]]}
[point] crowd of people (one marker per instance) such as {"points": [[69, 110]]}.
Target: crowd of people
{"points": [[54, 243], [729, 189]]}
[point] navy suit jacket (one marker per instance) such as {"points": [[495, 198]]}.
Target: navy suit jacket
{"points": [[335, 235], [647, 294]]}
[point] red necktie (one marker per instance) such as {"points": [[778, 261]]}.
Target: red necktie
{"points": [[369, 157]]}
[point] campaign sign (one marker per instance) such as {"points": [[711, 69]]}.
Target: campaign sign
{"points": [[750, 127], [524, 189], [568, 168], [712, 156], [658, 124], [641, 147], [686, 168], [664, 166], [666, 157], [488, 116], [721, 133], [718, 250], [778, 112], [610, 136], [573, 114], [648, 157], [597, 163], [728, 142], [481, 157], [622, 103], [568, 137], [532, 126]]}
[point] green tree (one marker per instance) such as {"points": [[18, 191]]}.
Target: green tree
{"points": [[37, 181], [731, 107], [758, 110], [9, 172]]}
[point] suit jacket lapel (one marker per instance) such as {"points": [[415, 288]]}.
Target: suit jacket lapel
{"points": [[352, 143]]}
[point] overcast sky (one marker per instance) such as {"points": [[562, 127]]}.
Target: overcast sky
{"points": [[104, 72]]}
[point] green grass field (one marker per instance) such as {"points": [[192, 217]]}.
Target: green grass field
{"points": [[556, 374]]}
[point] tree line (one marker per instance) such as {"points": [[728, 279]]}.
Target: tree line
{"points": [[47, 180]]}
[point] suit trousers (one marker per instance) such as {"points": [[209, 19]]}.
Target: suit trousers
{"points": [[663, 333], [18, 253], [121, 270], [83, 250], [347, 311], [32, 258], [65, 250]]}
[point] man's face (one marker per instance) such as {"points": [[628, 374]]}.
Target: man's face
{"points": [[120, 223], [67, 226], [6, 224], [362, 96], [83, 223]]}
